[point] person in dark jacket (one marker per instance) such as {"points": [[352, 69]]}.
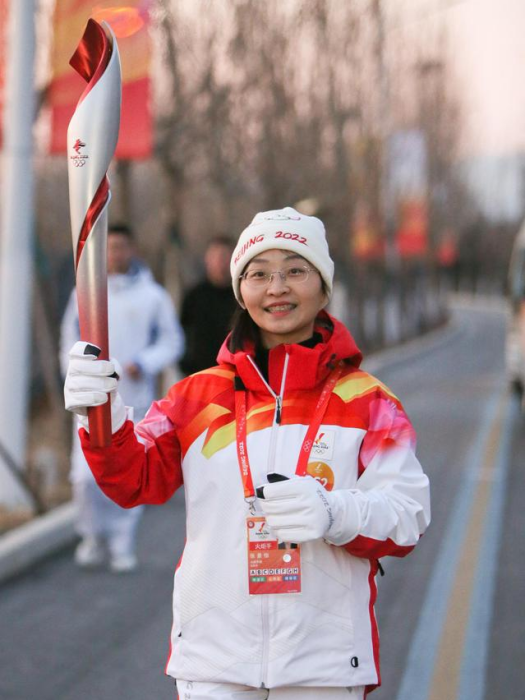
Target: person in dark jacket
{"points": [[207, 309]]}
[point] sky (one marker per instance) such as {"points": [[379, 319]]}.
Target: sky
{"points": [[490, 38], [488, 44]]}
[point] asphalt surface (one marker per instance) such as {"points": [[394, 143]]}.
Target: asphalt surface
{"points": [[449, 614]]}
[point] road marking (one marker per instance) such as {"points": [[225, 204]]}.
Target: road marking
{"points": [[475, 655], [447, 669], [440, 630]]}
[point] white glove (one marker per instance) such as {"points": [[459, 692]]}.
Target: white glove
{"points": [[301, 509], [88, 383]]}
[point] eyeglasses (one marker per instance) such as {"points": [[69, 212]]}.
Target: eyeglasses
{"points": [[258, 278]]}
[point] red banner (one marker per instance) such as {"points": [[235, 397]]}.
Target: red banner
{"points": [[129, 21], [447, 251], [367, 244], [412, 234], [3, 49]]}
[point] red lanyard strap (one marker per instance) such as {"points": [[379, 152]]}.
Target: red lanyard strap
{"points": [[306, 447], [240, 427], [313, 428]]}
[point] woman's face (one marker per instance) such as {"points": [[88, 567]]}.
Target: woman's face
{"points": [[284, 311]]}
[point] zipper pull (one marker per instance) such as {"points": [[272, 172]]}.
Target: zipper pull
{"points": [[278, 406]]}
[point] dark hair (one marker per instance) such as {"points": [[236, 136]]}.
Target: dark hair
{"points": [[122, 229], [243, 328], [221, 239]]}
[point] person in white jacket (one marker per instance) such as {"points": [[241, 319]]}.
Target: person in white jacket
{"points": [[146, 337], [299, 473]]}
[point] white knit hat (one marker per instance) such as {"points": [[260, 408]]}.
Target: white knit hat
{"points": [[286, 229]]}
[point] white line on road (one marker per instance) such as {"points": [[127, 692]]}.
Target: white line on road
{"points": [[473, 671], [419, 670]]}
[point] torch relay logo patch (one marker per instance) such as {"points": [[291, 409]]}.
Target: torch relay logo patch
{"points": [[324, 444]]}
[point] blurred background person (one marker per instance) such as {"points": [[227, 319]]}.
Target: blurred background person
{"points": [[144, 333], [207, 308]]}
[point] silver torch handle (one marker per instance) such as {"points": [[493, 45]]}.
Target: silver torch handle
{"points": [[91, 141]]}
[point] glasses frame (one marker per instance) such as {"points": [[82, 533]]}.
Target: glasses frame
{"points": [[282, 275]]}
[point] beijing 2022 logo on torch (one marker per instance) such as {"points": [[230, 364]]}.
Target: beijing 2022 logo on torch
{"points": [[80, 159]]}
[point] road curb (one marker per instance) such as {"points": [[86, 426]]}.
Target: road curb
{"points": [[25, 545]]}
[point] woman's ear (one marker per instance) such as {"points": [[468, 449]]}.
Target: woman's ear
{"points": [[326, 297]]}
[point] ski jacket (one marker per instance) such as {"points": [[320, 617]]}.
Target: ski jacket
{"points": [[327, 634]]}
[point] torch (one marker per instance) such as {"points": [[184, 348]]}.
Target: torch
{"points": [[91, 141]]}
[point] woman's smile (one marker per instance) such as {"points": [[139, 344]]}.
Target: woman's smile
{"points": [[280, 309]]}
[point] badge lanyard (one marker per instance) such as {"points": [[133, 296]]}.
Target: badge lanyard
{"points": [[306, 447]]}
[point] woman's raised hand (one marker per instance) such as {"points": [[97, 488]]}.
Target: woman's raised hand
{"points": [[88, 383]]}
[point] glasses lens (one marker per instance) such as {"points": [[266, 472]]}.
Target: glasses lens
{"points": [[257, 278], [296, 273]]}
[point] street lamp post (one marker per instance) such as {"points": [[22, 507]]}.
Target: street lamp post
{"points": [[16, 246]]}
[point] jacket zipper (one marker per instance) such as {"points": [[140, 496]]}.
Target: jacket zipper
{"points": [[278, 408], [271, 460]]}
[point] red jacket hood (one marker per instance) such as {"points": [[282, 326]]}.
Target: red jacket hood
{"points": [[306, 366]]}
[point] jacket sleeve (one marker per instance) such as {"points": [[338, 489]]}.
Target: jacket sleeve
{"points": [[392, 494], [141, 466], [168, 338]]}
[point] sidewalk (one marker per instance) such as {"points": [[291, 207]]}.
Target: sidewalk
{"points": [[25, 545]]}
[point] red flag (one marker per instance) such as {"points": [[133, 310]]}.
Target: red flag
{"points": [[129, 21], [447, 250], [412, 233], [3, 46], [366, 241]]}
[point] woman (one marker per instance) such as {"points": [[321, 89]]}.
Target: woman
{"points": [[299, 474]]}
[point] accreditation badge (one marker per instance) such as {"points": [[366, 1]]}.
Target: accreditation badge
{"points": [[273, 567]]}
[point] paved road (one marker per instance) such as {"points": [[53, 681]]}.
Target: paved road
{"points": [[450, 614]]}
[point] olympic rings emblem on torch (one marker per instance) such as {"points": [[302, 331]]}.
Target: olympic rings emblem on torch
{"points": [[91, 141]]}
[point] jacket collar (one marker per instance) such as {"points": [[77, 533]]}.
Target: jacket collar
{"points": [[307, 367]]}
